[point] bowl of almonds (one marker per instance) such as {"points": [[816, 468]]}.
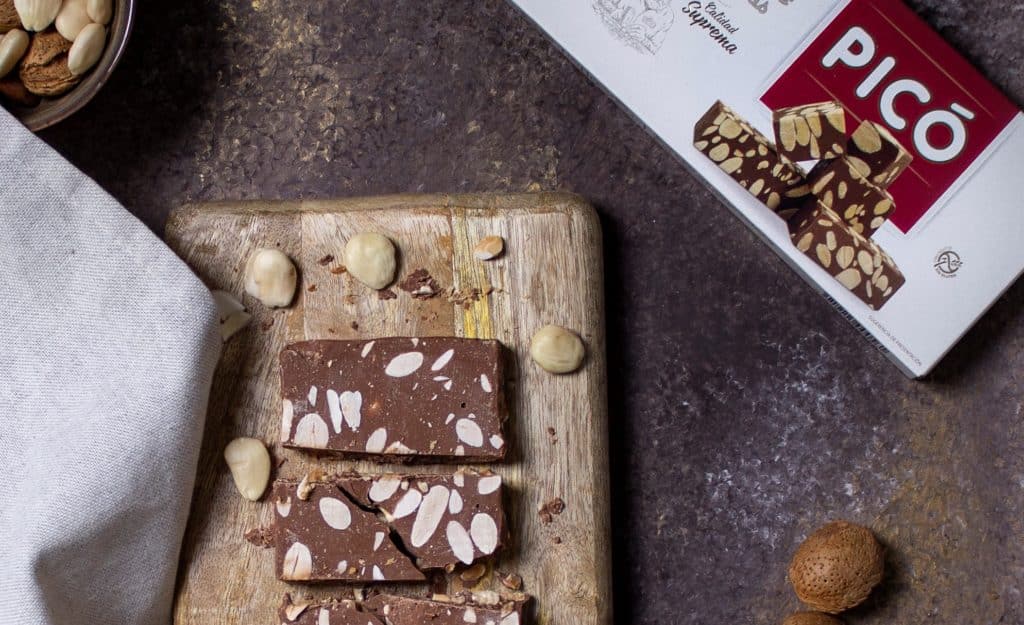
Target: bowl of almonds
{"points": [[56, 54]]}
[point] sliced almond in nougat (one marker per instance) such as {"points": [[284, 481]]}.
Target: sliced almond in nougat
{"points": [[857, 263], [839, 185], [877, 154], [443, 520], [811, 131], [750, 159]]}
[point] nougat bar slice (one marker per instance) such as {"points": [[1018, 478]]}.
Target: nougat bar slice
{"points": [[840, 186], [438, 398], [322, 535], [443, 520], [810, 132], [857, 263], [345, 612], [750, 159], [877, 154], [445, 610]]}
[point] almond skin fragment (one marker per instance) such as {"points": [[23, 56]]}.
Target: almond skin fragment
{"points": [[836, 568]]}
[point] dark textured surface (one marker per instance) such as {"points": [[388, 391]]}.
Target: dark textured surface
{"points": [[745, 411]]}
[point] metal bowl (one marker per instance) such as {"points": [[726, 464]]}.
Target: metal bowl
{"points": [[52, 110]]}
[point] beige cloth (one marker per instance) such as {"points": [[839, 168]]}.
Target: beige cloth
{"points": [[107, 348]]}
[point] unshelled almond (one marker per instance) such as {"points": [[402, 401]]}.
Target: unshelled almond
{"points": [[836, 568], [249, 462], [87, 49], [37, 15], [12, 47], [811, 618], [489, 248], [72, 19], [9, 19]]}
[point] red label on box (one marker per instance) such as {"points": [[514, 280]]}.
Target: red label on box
{"points": [[884, 64]]}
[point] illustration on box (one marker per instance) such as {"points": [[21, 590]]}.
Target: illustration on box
{"points": [[833, 211]]}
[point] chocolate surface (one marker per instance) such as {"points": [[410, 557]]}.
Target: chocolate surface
{"points": [[326, 536], [857, 263], [750, 159], [328, 613], [877, 154], [810, 132], [437, 398], [407, 611], [442, 519], [840, 186]]}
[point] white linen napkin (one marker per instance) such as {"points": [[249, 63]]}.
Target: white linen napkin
{"points": [[107, 348]]}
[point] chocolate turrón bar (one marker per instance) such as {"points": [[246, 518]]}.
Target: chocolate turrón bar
{"points": [[811, 131], [857, 263], [750, 159], [327, 528], [320, 534], [840, 186], [438, 398], [443, 520], [878, 155]]}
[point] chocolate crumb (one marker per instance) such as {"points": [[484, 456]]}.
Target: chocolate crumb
{"points": [[354, 325], [340, 269], [420, 284], [266, 324], [326, 260], [552, 435], [386, 294], [311, 288], [261, 537], [557, 540], [551, 508]]}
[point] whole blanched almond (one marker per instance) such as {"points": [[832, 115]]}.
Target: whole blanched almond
{"points": [[836, 568], [87, 49], [249, 462], [371, 258], [271, 277], [100, 11], [489, 248], [72, 19], [557, 350], [12, 47], [37, 15]]}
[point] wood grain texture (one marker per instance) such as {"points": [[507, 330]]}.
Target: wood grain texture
{"points": [[550, 273]]}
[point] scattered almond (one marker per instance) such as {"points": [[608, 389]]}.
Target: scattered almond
{"points": [[270, 276], [231, 313], [489, 247], [371, 258], [249, 462], [557, 350], [512, 581], [836, 568]]}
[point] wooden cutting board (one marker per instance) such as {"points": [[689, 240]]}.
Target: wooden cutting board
{"points": [[550, 273]]}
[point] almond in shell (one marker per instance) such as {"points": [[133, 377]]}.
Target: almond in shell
{"points": [[44, 70], [836, 568], [811, 618]]}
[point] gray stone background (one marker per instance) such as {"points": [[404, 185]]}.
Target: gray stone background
{"points": [[745, 412]]}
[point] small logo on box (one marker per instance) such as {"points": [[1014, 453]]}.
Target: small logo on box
{"points": [[640, 24], [948, 263]]}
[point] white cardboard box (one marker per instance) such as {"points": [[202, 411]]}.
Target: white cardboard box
{"points": [[957, 234]]}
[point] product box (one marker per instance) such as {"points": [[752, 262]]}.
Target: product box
{"points": [[847, 133]]}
